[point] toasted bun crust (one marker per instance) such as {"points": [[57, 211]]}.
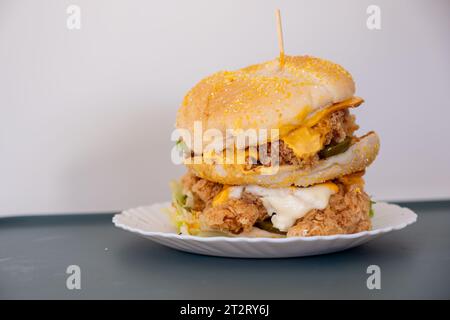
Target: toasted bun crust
{"points": [[265, 96], [356, 158]]}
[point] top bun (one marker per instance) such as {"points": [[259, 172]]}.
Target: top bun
{"points": [[265, 96]]}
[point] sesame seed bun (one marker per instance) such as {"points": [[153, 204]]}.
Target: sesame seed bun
{"points": [[265, 96]]}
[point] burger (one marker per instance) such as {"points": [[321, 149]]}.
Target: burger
{"points": [[277, 154]]}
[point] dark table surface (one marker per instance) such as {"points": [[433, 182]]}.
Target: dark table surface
{"points": [[36, 251]]}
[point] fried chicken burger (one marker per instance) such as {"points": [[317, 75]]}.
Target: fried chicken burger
{"points": [[297, 171]]}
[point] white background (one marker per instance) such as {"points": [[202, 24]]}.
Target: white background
{"points": [[86, 115]]}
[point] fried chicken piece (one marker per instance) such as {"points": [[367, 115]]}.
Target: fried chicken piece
{"points": [[347, 212], [202, 190], [206, 190], [235, 215], [338, 126], [188, 180], [334, 128]]}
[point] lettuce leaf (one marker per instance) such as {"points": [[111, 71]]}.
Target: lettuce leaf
{"points": [[178, 197], [182, 147], [371, 211], [183, 217]]}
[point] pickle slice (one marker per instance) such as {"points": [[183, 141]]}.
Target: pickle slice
{"points": [[332, 150], [268, 226]]}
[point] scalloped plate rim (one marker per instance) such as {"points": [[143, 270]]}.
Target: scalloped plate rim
{"points": [[387, 229]]}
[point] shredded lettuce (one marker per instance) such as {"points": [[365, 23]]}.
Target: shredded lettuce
{"points": [[178, 197], [371, 211], [183, 217], [182, 147]]}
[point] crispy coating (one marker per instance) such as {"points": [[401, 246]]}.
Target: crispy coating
{"points": [[347, 212], [235, 215], [334, 128], [339, 125], [202, 190]]}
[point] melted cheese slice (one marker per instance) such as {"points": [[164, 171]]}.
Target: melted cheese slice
{"points": [[227, 193], [287, 205], [304, 140], [319, 115]]}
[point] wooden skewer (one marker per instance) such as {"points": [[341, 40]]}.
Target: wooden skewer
{"points": [[280, 37]]}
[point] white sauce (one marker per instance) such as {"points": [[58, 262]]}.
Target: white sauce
{"points": [[235, 192], [290, 204]]}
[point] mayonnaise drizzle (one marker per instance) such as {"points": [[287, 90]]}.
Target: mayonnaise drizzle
{"points": [[286, 205]]}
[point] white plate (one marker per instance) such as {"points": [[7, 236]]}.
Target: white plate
{"points": [[153, 223]]}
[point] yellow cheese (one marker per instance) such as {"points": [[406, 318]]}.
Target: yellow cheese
{"points": [[221, 197], [330, 185], [304, 141], [319, 115], [354, 178], [228, 192]]}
